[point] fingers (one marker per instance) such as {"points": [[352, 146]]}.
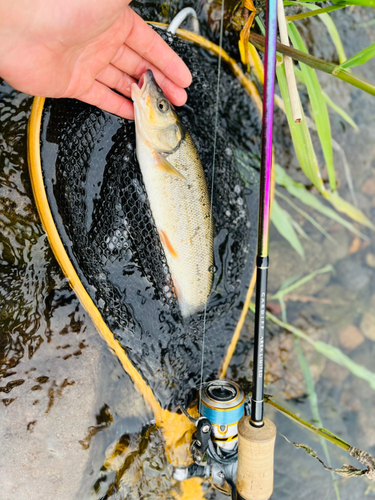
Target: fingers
{"points": [[104, 98], [116, 79], [150, 46], [130, 62]]}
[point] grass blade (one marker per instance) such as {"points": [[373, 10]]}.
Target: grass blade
{"points": [[363, 3], [282, 222], [360, 58], [318, 105], [313, 400], [299, 191], [329, 351], [334, 354], [327, 20], [347, 208], [287, 289], [314, 12], [307, 216], [340, 111], [329, 436], [299, 229]]}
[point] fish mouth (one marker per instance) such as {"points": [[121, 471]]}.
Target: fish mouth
{"points": [[146, 80], [139, 91]]}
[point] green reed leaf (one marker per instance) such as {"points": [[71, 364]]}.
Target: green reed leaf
{"points": [[300, 135], [282, 222], [290, 288], [347, 208], [340, 111], [330, 103], [327, 350], [314, 405], [315, 12], [360, 58], [299, 229], [316, 430], [318, 105], [363, 3], [327, 20], [299, 191], [307, 216], [334, 354]]}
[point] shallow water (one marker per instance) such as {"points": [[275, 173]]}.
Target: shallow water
{"points": [[67, 428]]}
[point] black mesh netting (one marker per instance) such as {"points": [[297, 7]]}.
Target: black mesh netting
{"points": [[98, 200]]}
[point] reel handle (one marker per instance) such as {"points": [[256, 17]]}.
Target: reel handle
{"points": [[255, 460]]}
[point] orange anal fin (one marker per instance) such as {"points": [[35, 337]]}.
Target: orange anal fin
{"points": [[164, 165], [166, 243]]}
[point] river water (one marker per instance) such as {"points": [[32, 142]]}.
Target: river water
{"points": [[65, 397]]}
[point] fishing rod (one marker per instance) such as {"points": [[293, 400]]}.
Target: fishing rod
{"points": [[257, 434], [233, 446]]}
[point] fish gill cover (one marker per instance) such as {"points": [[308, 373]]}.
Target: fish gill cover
{"points": [[100, 207]]}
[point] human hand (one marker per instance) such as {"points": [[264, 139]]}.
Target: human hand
{"points": [[83, 49]]}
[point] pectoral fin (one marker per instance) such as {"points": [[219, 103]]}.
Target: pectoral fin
{"points": [[165, 166], [166, 243]]}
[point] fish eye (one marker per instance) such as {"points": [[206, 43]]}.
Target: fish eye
{"points": [[163, 105]]}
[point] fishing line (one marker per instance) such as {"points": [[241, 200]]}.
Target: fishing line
{"points": [[212, 186]]}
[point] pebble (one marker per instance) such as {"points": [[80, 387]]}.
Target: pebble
{"points": [[338, 250], [350, 338], [335, 373], [368, 187], [351, 275], [367, 325], [370, 260]]}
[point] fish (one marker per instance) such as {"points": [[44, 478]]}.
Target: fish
{"points": [[177, 191]]}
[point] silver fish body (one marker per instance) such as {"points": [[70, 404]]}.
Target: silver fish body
{"points": [[177, 191]]}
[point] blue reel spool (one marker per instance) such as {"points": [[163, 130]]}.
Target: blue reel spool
{"points": [[222, 402]]}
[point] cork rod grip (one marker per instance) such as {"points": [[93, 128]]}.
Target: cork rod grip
{"points": [[255, 460]]}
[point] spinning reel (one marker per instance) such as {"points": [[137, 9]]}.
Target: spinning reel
{"points": [[214, 448]]}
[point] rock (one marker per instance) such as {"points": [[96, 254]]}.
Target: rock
{"points": [[282, 368], [351, 275], [368, 325], [368, 187], [274, 307], [355, 245], [351, 337], [339, 250], [370, 260]]}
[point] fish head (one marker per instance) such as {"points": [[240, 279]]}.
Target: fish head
{"points": [[156, 120]]}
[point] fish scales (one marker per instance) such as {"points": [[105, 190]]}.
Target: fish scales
{"points": [[181, 210]]}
